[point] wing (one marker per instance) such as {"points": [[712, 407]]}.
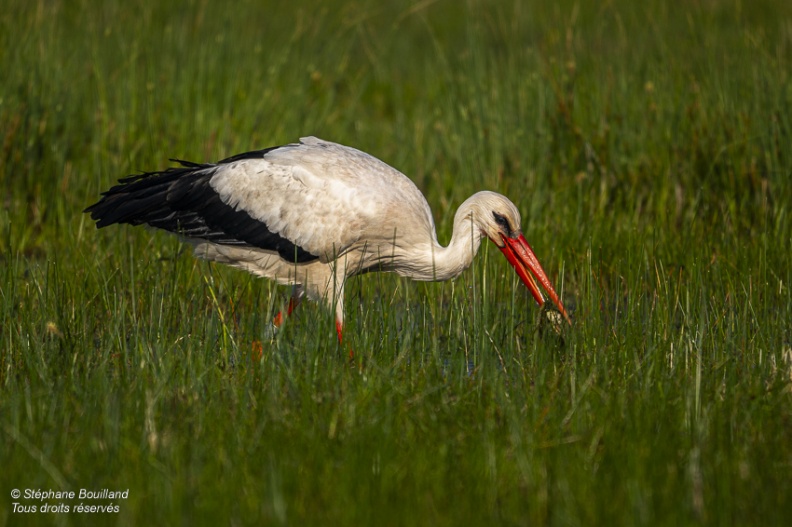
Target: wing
{"points": [[182, 200], [305, 201]]}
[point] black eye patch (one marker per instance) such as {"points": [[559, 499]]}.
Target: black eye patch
{"points": [[502, 222]]}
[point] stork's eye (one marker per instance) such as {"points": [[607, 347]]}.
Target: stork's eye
{"points": [[502, 222]]}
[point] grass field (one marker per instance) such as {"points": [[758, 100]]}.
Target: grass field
{"points": [[647, 145]]}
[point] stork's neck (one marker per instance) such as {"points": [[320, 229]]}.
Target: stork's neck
{"points": [[438, 263]]}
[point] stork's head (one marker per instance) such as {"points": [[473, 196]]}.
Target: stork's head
{"points": [[499, 220]]}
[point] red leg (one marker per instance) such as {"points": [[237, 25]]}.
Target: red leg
{"points": [[294, 301], [339, 331], [280, 318]]}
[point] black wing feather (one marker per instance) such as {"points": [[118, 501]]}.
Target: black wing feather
{"points": [[181, 200], [254, 154]]}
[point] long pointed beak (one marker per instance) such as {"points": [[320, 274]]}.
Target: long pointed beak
{"points": [[524, 261]]}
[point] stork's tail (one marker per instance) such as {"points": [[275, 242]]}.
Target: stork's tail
{"points": [[153, 198]]}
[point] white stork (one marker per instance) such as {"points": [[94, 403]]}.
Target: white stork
{"points": [[314, 213]]}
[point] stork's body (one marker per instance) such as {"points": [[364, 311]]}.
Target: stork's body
{"points": [[313, 214]]}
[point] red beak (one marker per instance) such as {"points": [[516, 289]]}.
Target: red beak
{"points": [[523, 259]]}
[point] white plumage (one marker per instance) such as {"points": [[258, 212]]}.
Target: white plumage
{"points": [[312, 214]]}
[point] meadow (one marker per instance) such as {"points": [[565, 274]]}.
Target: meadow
{"points": [[647, 145]]}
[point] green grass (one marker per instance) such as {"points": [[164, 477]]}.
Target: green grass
{"points": [[647, 145]]}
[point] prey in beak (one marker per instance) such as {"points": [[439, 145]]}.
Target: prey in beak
{"points": [[524, 261]]}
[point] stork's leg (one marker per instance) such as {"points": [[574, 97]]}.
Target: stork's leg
{"points": [[339, 310], [279, 319], [294, 301], [339, 316], [339, 330]]}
